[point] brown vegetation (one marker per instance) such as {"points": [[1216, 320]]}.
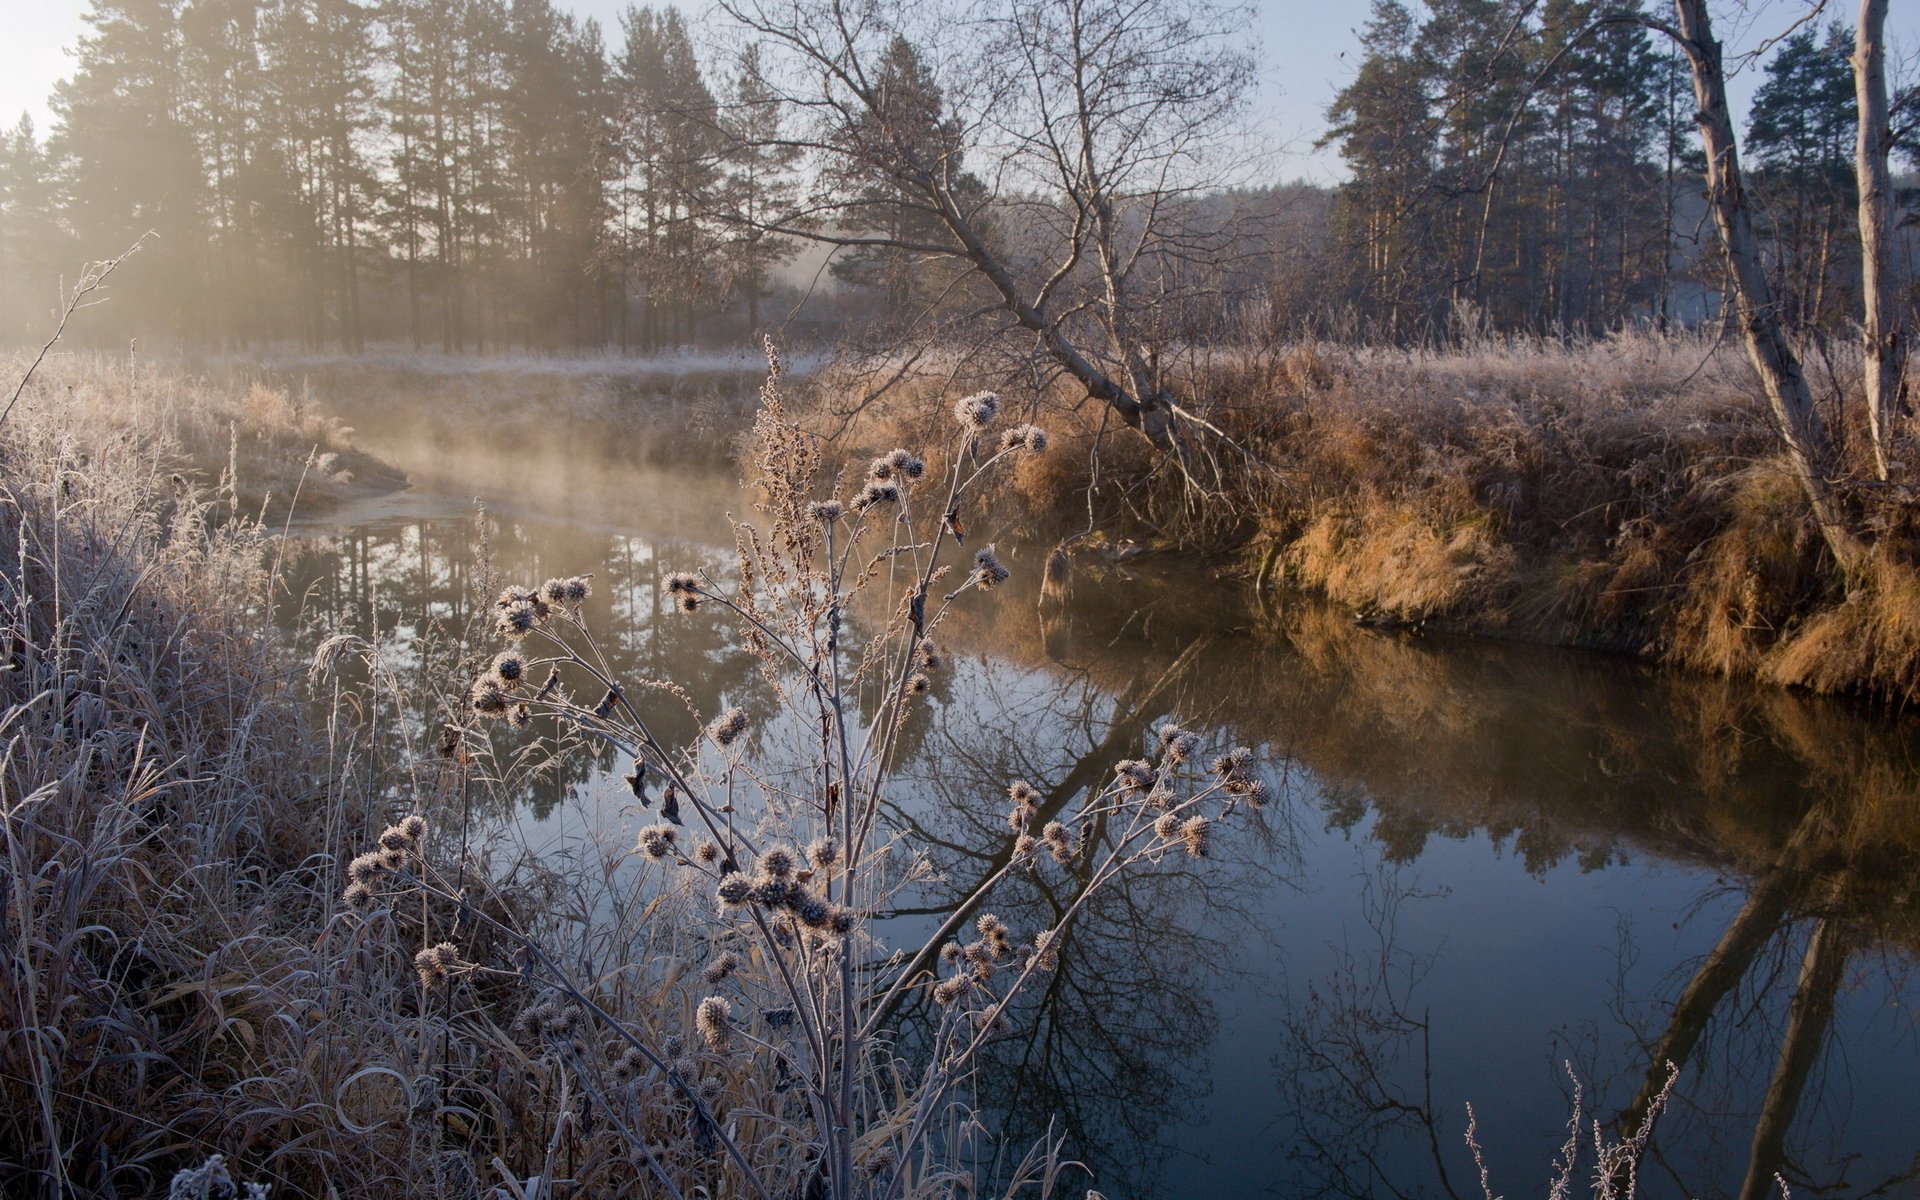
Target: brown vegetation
{"points": [[1626, 494]]}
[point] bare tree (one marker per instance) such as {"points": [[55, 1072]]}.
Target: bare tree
{"points": [[1052, 164], [1883, 319], [1803, 435]]}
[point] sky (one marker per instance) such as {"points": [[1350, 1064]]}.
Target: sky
{"points": [[1308, 51]]}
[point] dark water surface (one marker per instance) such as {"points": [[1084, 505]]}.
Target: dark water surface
{"points": [[1486, 862]]}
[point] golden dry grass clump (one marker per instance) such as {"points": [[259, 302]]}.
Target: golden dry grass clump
{"points": [[1625, 494]]}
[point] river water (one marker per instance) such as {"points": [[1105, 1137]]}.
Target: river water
{"points": [[1491, 869]]}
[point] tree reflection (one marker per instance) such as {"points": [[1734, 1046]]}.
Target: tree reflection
{"points": [[1808, 814], [1107, 1052]]}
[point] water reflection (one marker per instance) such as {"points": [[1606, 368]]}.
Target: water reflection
{"points": [[1483, 860]]}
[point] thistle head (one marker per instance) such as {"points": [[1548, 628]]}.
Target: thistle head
{"points": [[977, 411], [728, 726], [720, 968], [685, 590], [988, 571], [714, 1020], [657, 841]]}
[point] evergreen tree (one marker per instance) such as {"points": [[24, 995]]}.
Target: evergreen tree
{"points": [[908, 119], [1800, 137], [760, 188], [130, 164], [32, 245]]}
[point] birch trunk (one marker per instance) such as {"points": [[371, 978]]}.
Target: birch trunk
{"points": [[1882, 324], [1797, 420]]}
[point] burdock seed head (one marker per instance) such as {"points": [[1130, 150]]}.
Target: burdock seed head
{"points": [[435, 962], [1030, 438], [365, 868], [487, 697], [685, 590], [728, 726], [988, 570], [919, 683], [1023, 794], [569, 592], [734, 891], [977, 411], [714, 1020], [1177, 744], [510, 668], [657, 841], [720, 968], [902, 463], [1059, 843], [823, 853], [1233, 762], [812, 911], [826, 511], [518, 619], [777, 863], [1168, 826], [1194, 833], [875, 492]]}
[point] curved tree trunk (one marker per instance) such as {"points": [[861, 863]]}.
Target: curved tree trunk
{"points": [[1797, 420]]}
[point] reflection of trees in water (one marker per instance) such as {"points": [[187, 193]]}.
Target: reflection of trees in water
{"points": [[1106, 1053], [1749, 1028], [420, 586], [1812, 810], [1564, 756]]}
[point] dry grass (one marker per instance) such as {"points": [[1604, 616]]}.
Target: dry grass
{"points": [[1624, 494], [263, 449], [190, 973]]}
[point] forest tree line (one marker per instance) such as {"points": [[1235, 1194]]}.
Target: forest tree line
{"points": [[485, 175]]}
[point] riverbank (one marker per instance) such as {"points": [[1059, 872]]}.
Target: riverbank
{"points": [[1624, 495], [262, 450]]}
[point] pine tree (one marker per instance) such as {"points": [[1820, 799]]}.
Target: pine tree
{"points": [[130, 164], [1800, 137], [760, 188], [910, 111], [1383, 124], [33, 247]]}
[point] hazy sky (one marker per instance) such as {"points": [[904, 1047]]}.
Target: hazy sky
{"points": [[1307, 47]]}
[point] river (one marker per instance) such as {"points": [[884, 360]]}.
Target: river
{"points": [[1491, 868]]}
